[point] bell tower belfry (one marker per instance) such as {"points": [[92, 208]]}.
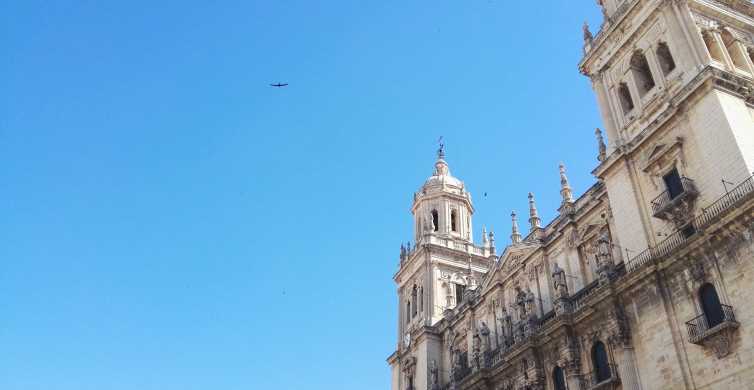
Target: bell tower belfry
{"points": [[440, 272], [442, 207]]}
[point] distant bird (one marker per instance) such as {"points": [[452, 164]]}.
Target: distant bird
{"points": [[279, 85], [485, 194]]}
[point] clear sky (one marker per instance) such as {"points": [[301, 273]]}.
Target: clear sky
{"points": [[169, 221]]}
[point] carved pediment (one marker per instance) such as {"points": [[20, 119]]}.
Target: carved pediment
{"points": [[662, 155]]}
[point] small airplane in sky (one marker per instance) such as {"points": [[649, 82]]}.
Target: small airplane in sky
{"points": [[279, 85]]}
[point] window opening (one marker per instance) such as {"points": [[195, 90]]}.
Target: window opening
{"points": [[453, 219], [673, 183], [435, 220], [665, 57], [626, 102], [713, 47], [600, 362], [642, 73], [460, 290], [713, 310]]}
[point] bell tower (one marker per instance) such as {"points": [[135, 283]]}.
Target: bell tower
{"points": [[673, 81], [437, 274]]}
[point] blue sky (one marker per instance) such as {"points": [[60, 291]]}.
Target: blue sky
{"points": [[169, 221]]}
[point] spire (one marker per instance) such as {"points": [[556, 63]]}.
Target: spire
{"points": [[515, 235], [534, 220], [600, 145], [565, 188]]}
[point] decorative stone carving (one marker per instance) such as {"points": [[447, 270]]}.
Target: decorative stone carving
{"points": [[531, 307], [605, 265], [520, 303], [601, 147], [720, 343], [484, 332], [559, 281], [588, 37], [476, 351], [434, 380]]}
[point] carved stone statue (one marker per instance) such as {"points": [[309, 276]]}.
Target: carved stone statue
{"points": [[434, 381], [559, 281], [588, 37], [476, 350], [601, 145], [530, 302], [604, 247], [604, 257], [484, 332], [520, 303], [507, 324]]}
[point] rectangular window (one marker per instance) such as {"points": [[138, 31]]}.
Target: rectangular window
{"points": [[460, 290], [673, 182]]}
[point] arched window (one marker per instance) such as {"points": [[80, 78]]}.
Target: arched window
{"points": [[625, 98], [713, 311], [408, 311], [600, 363], [558, 379], [414, 293], [642, 73], [435, 220], [453, 220], [665, 58], [736, 54], [713, 47]]}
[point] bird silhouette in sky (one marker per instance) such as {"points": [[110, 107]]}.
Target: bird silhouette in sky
{"points": [[279, 85]]}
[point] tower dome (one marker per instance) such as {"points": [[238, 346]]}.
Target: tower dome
{"points": [[442, 206]]}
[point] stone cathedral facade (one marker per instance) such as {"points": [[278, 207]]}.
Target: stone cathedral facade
{"points": [[646, 280]]}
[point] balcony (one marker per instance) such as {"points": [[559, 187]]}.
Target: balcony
{"points": [[669, 202], [597, 380], [700, 332]]}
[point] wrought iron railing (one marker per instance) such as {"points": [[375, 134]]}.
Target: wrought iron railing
{"points": [[577, 300], [732, 198], [664, 199], [698, 328]]}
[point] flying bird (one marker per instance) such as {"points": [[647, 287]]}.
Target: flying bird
{"points": [[279, 85]]}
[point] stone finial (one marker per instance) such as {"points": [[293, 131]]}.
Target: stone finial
{"points": [[515, 235], [492, 242], [441, 167], [588, 37], [565, 187], [484, 236], [600, 145], [534, 220]]}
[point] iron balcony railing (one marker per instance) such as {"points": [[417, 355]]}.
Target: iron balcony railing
{"points": [[662, 201], [731, 199], [699, 328], [601, 380]]}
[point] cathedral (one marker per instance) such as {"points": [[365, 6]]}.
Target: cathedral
{"points": [[642, 281]]}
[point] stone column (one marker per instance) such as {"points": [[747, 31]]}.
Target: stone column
{"points": [[629, 375]]}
